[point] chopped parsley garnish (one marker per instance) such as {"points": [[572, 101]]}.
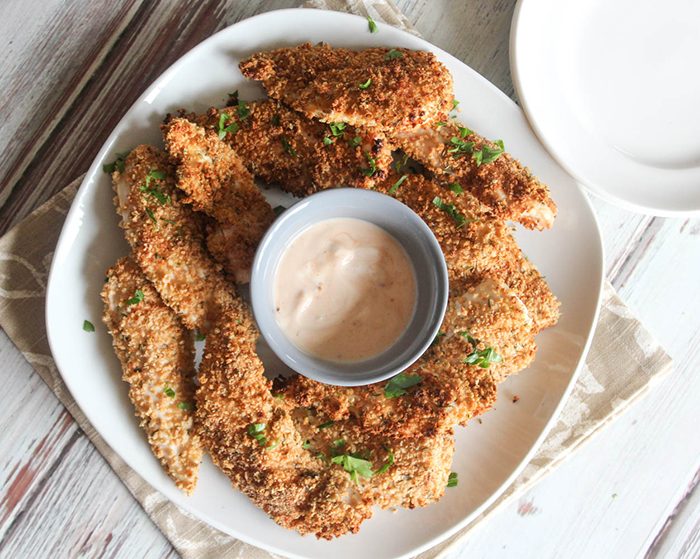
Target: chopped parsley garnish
{"points": [[255, 430], [155, 195], [388, 465], [306, 444], [482, 358], [464, 131], [487, 154], [438, 124], [276, 120], [232, 128], [185, 406], [88, 326], [393, 54], [288, 148], [401, 163], [397, 184], [460, 147], [452, 480], [327, 141], [354, 142], [436, 340], [372, 165], [454, 104], [233, 95], [337, 128], [153, 218], [279, 396], [170, 221], [322, 458], [279, 210], [169, 392], [372, 25], [117, 164], [398, 385], [243, 110], [451, 210], [198, 336], [456, 188], [326, 425], [352, 463], [366, 84], [137, 298]]}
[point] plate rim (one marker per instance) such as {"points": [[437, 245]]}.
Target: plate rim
{"points": [[516, 32], [154, 483]]}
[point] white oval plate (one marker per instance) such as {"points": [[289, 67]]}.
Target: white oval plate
{"points": [[488, 456], [612, 90]]}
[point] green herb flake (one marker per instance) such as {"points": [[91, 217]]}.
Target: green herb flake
{"points": [[397, 386], [460, 147], [117, 164], [372, 26], [354, 464], [397, 184], [327, 141], [198, 336], [451, 210], [354, 142], [169, 392], [452, 480], [388, 465], [366, 84], [372, 165], [88, 326], [464, 131], [401, 163], [337, 128], [326, 425], [232, 128], [276, 120], [488, 154], [306, 445], [482, 358], [322, 458], [393, 54], [256, 430], [454, 104], [288, 148], [279, 396], [153, 217], [137, 298], [279, 210], [456, 188], [439, 124], [185, 406], [436, 340], [233, 95], [242, 110]]}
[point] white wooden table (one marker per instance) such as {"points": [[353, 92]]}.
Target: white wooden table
{"points": [[68, 71]]}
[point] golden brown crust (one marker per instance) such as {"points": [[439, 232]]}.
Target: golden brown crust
{"points": [[167, 240], [280, 146], [404, 93], [510, 190], [218, 184], [157, 356]]}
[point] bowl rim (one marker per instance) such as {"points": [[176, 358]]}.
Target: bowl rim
{"points": [[268, 256]]}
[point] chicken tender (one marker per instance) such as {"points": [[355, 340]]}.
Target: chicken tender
{"points": [[157, 356], [394, 89], [280, 146], [218, 184], [252, 438], [458, 155], [167, 239]]}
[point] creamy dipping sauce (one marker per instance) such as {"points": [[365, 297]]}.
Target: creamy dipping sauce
{"points": [[344, 290]]}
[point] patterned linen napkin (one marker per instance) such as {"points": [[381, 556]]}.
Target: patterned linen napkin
{"points": [[622, 365]]}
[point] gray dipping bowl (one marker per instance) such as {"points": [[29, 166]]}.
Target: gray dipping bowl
{"points": [[420, 245]]}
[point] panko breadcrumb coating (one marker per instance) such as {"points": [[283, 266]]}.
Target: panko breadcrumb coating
{"points": [[157, 356], [234, 403], [510, 190], [400, 91], [166, 238], [282, 147], [218, 184]]}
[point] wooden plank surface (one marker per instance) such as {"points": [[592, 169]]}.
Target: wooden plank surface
{"points": [[70, 70]]}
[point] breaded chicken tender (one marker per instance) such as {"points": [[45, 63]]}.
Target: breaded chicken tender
{"points": [[218, 184], [406, 472], [456, 154], [157, 356], [252, 438], [167, 240], [393, 89], [475, 243], [280, 146], [448, 394]]}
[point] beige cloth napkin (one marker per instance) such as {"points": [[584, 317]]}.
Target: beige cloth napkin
{"points": [[623, 363]]}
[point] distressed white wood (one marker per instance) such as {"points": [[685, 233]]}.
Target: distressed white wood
{"points": [[630, 492]]}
